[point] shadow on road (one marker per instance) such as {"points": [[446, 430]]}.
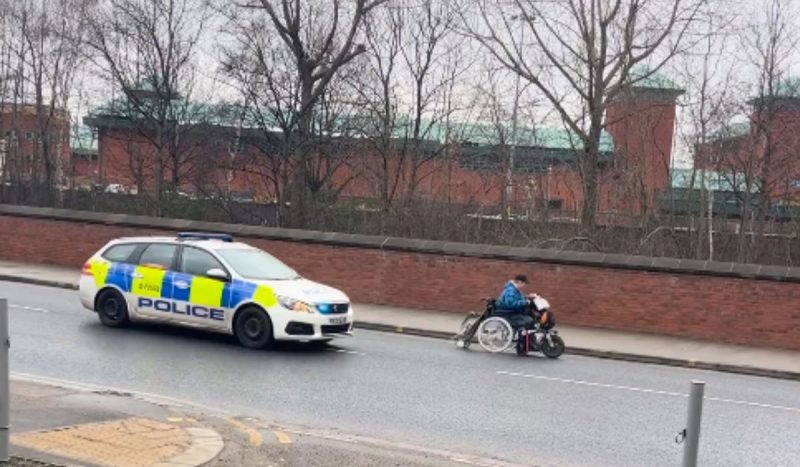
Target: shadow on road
{"points": [[203, 338]]}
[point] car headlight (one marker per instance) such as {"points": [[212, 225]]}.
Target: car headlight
{"points": [[294, 305]]}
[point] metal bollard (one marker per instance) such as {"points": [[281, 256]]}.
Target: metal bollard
{"points": [[4, 387], [691, 441]]}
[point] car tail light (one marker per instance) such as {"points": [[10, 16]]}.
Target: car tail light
{"points": [[87, 269]]}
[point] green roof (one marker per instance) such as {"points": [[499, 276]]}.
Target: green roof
{"points": [[187, 112], [541, 137], [731, 130], [481, 134], [715, 181], [486, 134], [788, 88], [643, 77]]}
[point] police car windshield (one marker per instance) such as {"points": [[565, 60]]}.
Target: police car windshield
{"points": [[252, 263]]}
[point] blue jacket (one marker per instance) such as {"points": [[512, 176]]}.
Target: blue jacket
{"points": [[511, 299]]}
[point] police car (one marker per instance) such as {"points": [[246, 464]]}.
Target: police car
{"points": [[208, 281]]}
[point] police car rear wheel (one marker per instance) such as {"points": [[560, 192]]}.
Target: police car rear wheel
{"points": [[253, 328], [112, 310]]}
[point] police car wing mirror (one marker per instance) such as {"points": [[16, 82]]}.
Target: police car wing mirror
{"points": [[219, 274]]}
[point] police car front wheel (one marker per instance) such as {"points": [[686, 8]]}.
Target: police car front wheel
{"points": [[112, 309], [253, 328]]}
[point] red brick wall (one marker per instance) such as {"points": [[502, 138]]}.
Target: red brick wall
{"points": [[722, 309]]}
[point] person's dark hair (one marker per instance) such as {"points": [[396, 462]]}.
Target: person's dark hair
{"points": [[521, 278]]}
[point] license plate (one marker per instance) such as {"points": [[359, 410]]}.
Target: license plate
{"points": [[342, 320]]}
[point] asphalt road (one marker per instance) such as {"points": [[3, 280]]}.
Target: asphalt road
{"points": [[573, 411]]}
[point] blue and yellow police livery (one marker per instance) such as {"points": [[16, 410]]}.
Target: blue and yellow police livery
{"points": [[209, 281]]}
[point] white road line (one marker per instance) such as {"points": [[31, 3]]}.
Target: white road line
{"points": [[646, 391], [753, 404], [29, 308], [350, 352]]}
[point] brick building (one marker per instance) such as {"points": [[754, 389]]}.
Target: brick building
{"points": [[761, 154], [206, 153], [26, 134], [222, 151]]}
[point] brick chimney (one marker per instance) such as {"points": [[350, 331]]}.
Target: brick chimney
{"points": [[641, 121]]}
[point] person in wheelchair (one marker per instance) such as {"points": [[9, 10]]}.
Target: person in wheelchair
{"points": [[514, 305]]}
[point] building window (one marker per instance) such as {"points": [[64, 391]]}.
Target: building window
{"points": [[29, 136]]}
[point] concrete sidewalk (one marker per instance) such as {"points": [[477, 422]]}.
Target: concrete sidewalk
{"points": [[58, 425], [594, 342]]}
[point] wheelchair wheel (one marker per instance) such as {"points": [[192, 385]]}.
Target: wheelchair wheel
{"points": [[553, 346], [466, 333], [495, 335]]}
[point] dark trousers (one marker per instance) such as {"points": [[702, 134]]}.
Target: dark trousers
{"points": [[520, 320]]}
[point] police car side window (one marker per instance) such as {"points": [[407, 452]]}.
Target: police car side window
{"points": [[120, 253], [197, 262], [158, 254]]}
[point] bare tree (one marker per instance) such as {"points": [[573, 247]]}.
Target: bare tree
{"points": [[503, 138], [145, 49], [378, 89], [774, 121], [321, 39], [407, 94], [8, 84], [44, 38], [582, 48], [262, 72], [709, 82], [758, 164]]}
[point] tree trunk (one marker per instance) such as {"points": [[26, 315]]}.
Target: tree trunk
{"points": [[299, 191], [158, 173], [745, 213], [589, 179]]}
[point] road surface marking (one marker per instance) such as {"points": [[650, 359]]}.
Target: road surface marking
{"points": [[349, 352], [29, 308], [364, 440], [753, 404], [646, 391], [282, 437], [253, 436]]}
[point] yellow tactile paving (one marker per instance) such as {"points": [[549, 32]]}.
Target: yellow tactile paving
{"points": [[130, 442]]}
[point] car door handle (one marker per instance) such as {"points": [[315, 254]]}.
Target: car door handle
{"points": [[181, 284], [137, 276]]}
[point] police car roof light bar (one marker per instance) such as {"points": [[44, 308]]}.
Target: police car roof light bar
{"points": [[204, 236]]}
